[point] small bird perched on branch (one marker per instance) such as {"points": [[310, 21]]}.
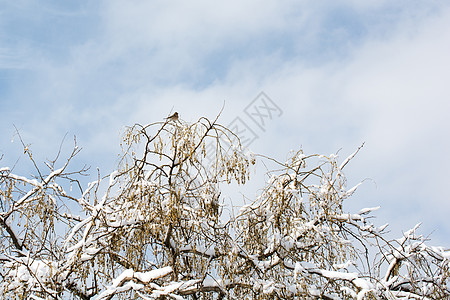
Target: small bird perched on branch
{"points": [[173, 117]]}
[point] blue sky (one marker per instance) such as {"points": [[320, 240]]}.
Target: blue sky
{"points": [[342, 72]]}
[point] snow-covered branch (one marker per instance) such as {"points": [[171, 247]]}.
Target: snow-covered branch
{"points": [[156, 229]]}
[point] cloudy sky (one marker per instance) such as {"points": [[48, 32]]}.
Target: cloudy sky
{"points": [[340, 72]]}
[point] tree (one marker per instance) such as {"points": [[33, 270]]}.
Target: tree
{"points": [[157, 229]]}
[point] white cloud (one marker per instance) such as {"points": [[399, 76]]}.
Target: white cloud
{"points": [[393, 94]]}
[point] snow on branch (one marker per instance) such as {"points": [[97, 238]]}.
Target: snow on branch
{"points": [[157, 228], [124, 281]]}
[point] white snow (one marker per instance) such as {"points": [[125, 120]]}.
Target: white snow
{"points": [[368, 210], [125, 281]]}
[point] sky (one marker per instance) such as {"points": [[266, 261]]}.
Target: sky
{"points": [[336, 73]]}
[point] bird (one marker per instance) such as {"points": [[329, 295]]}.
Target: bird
{"points": [[173, 117]]}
